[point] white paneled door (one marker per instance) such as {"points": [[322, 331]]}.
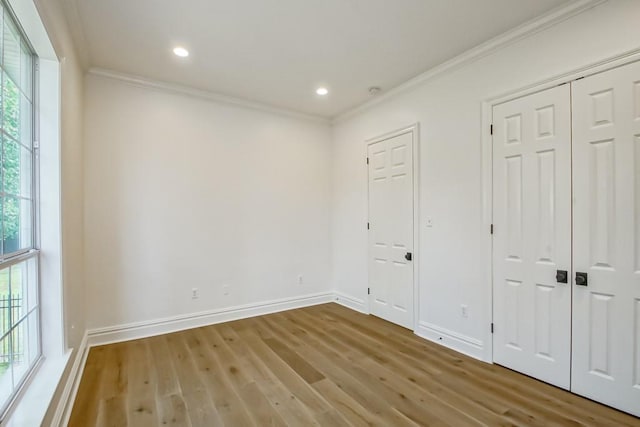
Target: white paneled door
{"points": [[606, 237], [390, 164], [532, 235]]}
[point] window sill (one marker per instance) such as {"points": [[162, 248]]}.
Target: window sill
{"points": [[32, 405]]}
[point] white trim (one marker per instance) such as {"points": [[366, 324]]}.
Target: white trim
{"points": [[137, 330], [453, 340], [416, 224], [584, 71], [487, 221], [33, 402], [523, 31], [203, 94], [68, 397], [414, 130], [51, 242], [29, 18], [487, 149], [353, 303], [392, 134]]}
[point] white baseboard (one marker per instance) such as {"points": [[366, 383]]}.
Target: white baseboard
{"points": [[462, 344], [68, 397], [350, 302], [167, 325]]}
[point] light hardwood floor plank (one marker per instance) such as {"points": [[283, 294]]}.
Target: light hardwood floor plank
{"points": [[230, 407], [115, 379], [85, 408], [141, 399], [173, 411], [525, 395], [112, 412], [413, 407], [166, 377], [324, 365]]}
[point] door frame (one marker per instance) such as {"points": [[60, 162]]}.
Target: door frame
{"points": [[487, 159], [414, 130]]}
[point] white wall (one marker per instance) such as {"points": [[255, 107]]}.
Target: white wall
{"points": [[453, 262], [182, 192]]}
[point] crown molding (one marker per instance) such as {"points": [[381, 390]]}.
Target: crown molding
{"points": [[204, 94], [518, 33], [521, 32]]}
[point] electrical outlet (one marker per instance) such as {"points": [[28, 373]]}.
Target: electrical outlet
{"points": [[464, 311], [225, 290], [300, 279], [194, 293]]}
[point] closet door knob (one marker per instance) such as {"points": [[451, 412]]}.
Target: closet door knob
{"points": [[582, 279], [562, 276]]}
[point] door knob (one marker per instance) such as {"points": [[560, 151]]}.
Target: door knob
{"points": [[582, 279], [562, 276], [408, 256]]}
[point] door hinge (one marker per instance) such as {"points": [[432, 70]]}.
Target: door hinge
{"points": [[368, 226], [491, 229], [368, 291], [367, 160], [492, 328], [491, 129]]}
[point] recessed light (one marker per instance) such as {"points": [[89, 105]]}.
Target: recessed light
{"points": [[322, 91], [181, 52]]}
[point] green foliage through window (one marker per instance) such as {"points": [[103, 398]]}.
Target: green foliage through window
{"points": [[11, 172]]}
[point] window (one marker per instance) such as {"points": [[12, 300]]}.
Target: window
{"points": [[19, 308]]}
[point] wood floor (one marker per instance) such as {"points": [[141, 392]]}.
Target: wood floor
{"points": [[323, 365]]}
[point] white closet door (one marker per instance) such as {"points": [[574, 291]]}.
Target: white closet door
{"points": [[532, 235], [391, 229], [606, 237]]}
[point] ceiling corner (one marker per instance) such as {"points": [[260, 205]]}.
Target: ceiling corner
{"points": [[76, 28]]}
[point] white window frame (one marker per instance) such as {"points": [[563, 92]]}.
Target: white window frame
{"points": [[31, 404], [31, 252]]}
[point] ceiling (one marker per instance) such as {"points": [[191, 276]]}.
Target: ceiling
{"points": [[277, 52]]}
